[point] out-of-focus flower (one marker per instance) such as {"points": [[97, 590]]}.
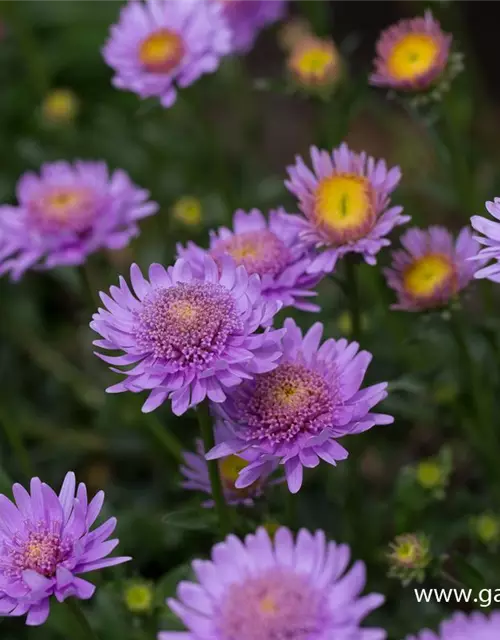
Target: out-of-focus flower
{"points": [[263, 589], [68, 212], [296, 413], [293, 31], [431, 268], [185, 337], [188, 211], [196, 477], [345, 201], [486, 527], [46, 542], [138, 596], [490, 239], [60, 107], [434, 473], [408, 557], [415, 56], [246, 18], [344, 323], [315, 64], [270, 248], [161, 45], [462, 626]]}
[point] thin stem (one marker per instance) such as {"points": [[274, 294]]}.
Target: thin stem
{"points": [[13, 435], [207, 434], [167, 440], [82, 624], [353, 297], [89, 287]]}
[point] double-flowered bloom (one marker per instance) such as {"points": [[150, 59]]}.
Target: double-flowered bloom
{"points": [[490, 239], [188, 337], [432, 267], [159, 46], [46, 542], [345, 200], [295, 413], [263, 589], [269, 248], [68, 212], [460, 626]]}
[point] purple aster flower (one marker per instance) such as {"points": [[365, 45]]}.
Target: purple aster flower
{"points": [[490, 238], [159, 45], [195, 472], [46, 542], [296, 412], [462, 627], [187, 337], [269, 248], [412, 55], [263, 589], [345, 201], [246, 18], [431, 268], [68, 212]]}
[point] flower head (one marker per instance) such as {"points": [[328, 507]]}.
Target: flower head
{"points": [[186, 337], [486, 527], [315, 64], [188, 211], [160, 45], [296, 412], [461, 626], [265, 589], [46, 542], [270, 249], [60, 106], [345, 201], [431, 268], [409, 556], [490, 239], [196, 476], [412, 55], [246, 18], [139, 596], [68, 212]]}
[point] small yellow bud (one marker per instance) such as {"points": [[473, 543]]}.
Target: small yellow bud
{"points": [[188, 211], [429, 474], [60, 106], [138, 597], [487, 528], [408, 557]]}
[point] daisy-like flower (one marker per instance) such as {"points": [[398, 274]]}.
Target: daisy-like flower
{"points": [[159, 45], [431, 268], [46, 543], [296, 412], [196, 476], [461, 626], [345, 201], [490, 239], [186, 337], [271, 249], [246, 18], [68, 212], [314, 64], [412, 55], [265, 589]]}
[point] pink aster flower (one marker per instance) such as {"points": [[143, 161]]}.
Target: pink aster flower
{"points": [[246, 18], [269, 248], [186, 337], [296, 413], [160, 45], [490, 238], [68, 212], [431, 268], [46, 542], [346, 205], [412, 55], [263, 589], [462, 627]]}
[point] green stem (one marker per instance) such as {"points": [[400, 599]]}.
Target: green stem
{"points": [[207, 434], [85, 631], [353, 297], [89, 286], [168, 441], [13, 435]]}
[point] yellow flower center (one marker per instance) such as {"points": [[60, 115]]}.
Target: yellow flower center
{"points": [[427, 275], [290, 395], [429, 474], [230, 468], [60, 105], [188, 211], [185, 311], [406, 553], [139, 598], [161, 51], [61, 204], [344, 206], [314, 63], [412, 56], [268, 605], [244, 250], [488, 528]]}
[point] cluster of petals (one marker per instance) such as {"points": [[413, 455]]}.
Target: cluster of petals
{"points": [[462, 626], [489, 238], [246, 18]]}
